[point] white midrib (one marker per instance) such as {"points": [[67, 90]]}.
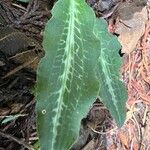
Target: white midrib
{"points": [[67, 66]]}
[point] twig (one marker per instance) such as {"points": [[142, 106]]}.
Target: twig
{"points": [[138, 128], [19, 68], [18, 6], [29, 147], [103, 133], [145, 113]]}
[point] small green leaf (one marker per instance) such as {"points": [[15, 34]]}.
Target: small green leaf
{"points": [[25, 1], [66, 80], [12, 117], [36, 145], [112, 90]]}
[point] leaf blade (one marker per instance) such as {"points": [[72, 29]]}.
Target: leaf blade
{"points": [[112, 90], [66, 82]]}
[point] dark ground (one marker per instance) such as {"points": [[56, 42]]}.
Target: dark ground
{"points": [[19, 23]]}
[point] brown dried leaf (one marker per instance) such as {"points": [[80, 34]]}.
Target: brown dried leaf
{"points": [[130, 31], [123, 138]]}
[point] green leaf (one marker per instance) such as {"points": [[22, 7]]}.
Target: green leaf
{"points": [[112, 90], [25, 1], [66, 80], [36, 145], [12, 117]]}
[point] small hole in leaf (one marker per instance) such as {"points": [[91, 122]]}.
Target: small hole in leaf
{"points": [[43, 111]]}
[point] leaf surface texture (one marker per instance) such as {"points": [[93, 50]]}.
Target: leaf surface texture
{"points": [[66, 83]]}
